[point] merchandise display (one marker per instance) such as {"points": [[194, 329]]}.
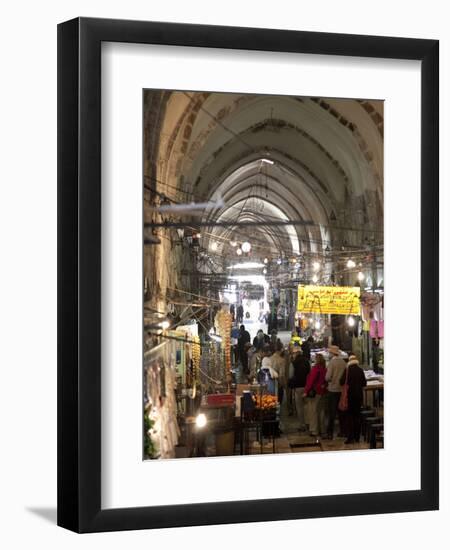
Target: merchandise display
{"points": [[223, 327], [160, 407]]}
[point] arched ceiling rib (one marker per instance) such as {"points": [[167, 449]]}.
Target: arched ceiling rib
{"points": [[327, 155], [241, 211], [200, 140], [281, 193]]}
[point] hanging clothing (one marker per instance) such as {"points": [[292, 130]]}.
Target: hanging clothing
{"points": [[377, 329], [373, 329]]}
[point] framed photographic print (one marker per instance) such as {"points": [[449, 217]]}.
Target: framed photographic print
{"points": [[247, 276]]}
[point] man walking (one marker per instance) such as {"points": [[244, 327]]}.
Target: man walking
{"points": [[336, 367]]}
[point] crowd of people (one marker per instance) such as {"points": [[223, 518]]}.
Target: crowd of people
{"points": [[316, 391]]}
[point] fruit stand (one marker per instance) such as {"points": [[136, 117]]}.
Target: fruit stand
{"points": [[259, 415]]}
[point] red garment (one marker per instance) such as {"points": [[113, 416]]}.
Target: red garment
{"points": [[316, 380]]}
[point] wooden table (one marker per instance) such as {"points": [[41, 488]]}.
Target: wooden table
{"points": [[373, 386]]}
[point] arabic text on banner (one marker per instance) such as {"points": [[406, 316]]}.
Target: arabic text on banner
{"points": [[341, 300]]}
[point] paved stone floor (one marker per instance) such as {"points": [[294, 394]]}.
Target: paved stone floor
{"points": [[301, 441], [292, 440]]}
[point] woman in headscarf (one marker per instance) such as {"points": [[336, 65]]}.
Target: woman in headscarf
{"points": [[355, 378]]}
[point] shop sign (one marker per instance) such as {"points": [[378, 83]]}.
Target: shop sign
{"points": [[220, 399], [341, 300]]}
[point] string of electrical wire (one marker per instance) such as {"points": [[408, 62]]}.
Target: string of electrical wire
{"points": [[354, 252], [177, 338], [283, 277], [285, 252], [192, 294], [181, 322], [268, 216], [259, 243], [339, 248]]}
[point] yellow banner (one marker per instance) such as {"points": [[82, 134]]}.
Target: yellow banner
{"points": [[341, 300]]}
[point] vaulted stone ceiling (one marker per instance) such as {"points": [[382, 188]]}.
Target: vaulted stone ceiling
{"points": [[326, 165]]}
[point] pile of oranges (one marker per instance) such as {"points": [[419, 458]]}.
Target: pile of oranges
{"points": [[265, 402]]}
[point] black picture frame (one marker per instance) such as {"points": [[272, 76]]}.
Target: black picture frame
{"points": [[79, 274]]}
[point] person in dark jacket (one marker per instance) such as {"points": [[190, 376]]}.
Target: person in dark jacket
{"points": [[355, 378], [233, 312], [240, 313], [260, 339], [243, 339], [301, 367], [306, 347]]}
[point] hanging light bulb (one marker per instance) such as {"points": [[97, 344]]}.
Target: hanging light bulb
{"points": [[200, 420], [239, 251], [350, 264], [279, 261], [315, 279], [317, 325], [233, 243], [246, 247], [214, 246], [264, 271], [316, 266], [198, 235], [266, 261], [351, 321], [360, 276]]}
